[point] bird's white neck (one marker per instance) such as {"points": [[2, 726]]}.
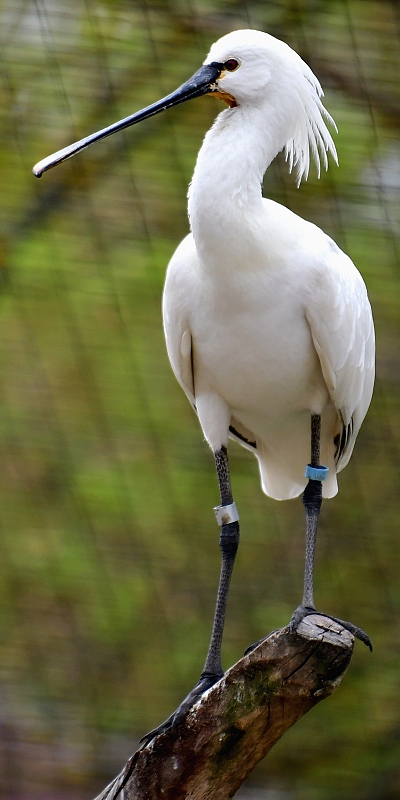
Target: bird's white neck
{"points": [[225, 197]]}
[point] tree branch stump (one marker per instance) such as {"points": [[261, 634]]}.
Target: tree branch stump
{"points": [[236, 723]]}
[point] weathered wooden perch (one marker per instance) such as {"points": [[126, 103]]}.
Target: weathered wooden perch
{"points": [[237, 722]]}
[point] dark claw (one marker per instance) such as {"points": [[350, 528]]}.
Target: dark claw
{"points": [[355, 630], [206, 680], [298, 615], [305, 611], [253, 646]]}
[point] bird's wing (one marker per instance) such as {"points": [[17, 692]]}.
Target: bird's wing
{"points": [[115, 789], [340, 318], [179, 291]]}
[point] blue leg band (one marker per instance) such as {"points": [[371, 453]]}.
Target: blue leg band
{"points": [[316, 473]]}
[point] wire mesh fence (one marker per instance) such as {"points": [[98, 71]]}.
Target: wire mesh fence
{"points": [[109, 552]]}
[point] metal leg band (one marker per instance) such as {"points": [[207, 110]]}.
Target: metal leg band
{"points": [[226, 514], [316, 473]]}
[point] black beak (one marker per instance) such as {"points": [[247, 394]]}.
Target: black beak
{"points": [[202, 82]]}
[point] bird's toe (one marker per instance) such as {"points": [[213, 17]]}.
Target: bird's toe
{"points": [[253, 646], [299, 614], [205, 682], [305, 611]]}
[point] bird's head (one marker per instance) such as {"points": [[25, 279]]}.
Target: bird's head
{"points": [[246, 68], [252, 64], [257, 70]]}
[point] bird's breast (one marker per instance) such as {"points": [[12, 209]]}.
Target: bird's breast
{"points": [[252, 345]]}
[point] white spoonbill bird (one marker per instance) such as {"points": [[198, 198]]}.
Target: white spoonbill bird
{"points": [[268, 325]]}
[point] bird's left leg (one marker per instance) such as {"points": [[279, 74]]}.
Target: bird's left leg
{"points": [[312, 500], [228, 518]]}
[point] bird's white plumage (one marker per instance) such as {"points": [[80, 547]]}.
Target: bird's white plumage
{"points": [[268, 65], [266, 319]]}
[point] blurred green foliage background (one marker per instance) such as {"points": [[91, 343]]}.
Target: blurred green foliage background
{"points": [[109, 554]]}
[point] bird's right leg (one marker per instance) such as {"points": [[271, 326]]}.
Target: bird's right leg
{"points": [[228, 518], [312, 500]]}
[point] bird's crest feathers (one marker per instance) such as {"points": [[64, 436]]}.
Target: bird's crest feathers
{"points": [[271, 70], [312, 132]]}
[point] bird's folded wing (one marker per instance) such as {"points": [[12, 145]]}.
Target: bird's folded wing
{"points": [[178, 291], [179, 345], [340, 318]]}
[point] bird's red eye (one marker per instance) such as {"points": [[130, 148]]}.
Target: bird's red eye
{"points": [[231, 64]]}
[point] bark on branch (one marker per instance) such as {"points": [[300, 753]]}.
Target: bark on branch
{"points": [[237, 722]]}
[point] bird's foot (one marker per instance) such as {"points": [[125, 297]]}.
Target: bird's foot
{"points": [[305, 611], [207, 679], [253, 646]]}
